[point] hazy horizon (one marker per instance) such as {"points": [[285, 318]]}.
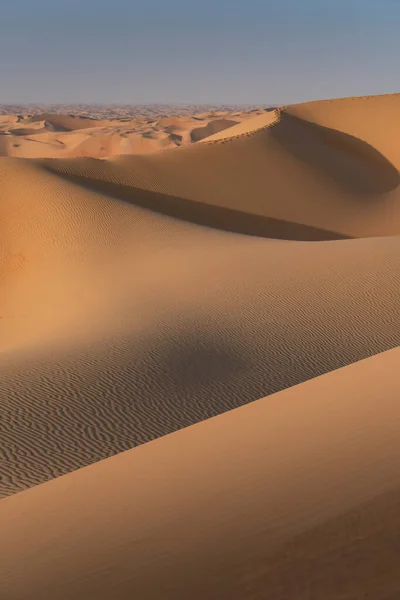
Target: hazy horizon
{"points": [[256, 53]]}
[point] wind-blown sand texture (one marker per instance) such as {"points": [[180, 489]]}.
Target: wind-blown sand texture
{"points": [[145, 294]]}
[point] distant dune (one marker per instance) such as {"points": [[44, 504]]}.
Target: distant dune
{"points": [[199, 133], [59, 136], [151, 292]]}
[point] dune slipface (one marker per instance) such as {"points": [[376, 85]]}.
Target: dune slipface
{"points": [[145, 293]]}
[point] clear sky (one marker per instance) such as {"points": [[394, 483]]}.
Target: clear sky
{"points": [[204, 51]]}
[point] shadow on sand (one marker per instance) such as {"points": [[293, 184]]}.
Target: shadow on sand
{"points": [[347, 160], [208, 215]]}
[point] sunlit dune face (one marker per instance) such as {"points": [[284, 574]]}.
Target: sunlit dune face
{"points": [[199, 332]]}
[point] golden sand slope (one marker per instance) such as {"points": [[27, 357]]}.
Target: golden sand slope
{"points": [[294, 497], [128, 313], [289, 172]]}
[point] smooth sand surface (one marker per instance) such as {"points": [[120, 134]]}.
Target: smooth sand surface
{"points": [[295, 496], [143, 294]]}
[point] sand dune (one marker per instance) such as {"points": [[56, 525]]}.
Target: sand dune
{"points": [[131, 300], [294, 496], [56, 134], [213, 127], [145, 293], [290, 170], [70, 122]]}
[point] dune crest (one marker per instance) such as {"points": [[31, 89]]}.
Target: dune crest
{"points": [[127, 284], [54, 135], [153, 293], [295, 492]]}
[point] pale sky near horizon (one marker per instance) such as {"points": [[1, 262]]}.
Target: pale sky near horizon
{"points": [[183, 51]]}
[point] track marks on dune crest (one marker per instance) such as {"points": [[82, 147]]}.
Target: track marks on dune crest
{"points": [[273, 315], [207, 215], [346, 159], [250, 129]]}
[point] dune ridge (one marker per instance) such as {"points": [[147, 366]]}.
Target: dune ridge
{"points": [[147, 302], [292, 496], [70, 135], [288, 170], [207, 318]]}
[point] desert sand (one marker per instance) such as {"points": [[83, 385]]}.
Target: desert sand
{"points": [[55, 135], [143, 294], [293, 496]]}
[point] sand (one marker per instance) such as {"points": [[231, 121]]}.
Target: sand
{"points": [[150, 293], [67, 135], [293, 496]]}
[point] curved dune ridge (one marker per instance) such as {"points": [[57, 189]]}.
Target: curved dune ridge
{"points": [[293, 496], [144, 294]]}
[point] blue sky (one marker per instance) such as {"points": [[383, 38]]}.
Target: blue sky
{"points": [[209, 51]]}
